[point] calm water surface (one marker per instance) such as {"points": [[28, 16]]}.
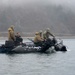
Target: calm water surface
{"points": [[59, 63]]}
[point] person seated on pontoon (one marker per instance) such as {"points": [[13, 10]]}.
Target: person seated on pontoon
{"points": [[11, 37], [37, 39], [11, 34], [19, 39]]}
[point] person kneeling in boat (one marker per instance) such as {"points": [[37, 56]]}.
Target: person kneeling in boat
{"points": [[18, 40], [37, 39]]}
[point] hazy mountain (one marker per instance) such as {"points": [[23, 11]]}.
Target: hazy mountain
{"points": [[38, 15]]}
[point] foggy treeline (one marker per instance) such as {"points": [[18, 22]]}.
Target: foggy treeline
{"points": [[37, 16]]}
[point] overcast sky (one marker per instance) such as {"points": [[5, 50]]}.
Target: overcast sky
{"points": [[67, 2]]}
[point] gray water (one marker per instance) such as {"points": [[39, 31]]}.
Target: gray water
{"points": [[59, 63]]}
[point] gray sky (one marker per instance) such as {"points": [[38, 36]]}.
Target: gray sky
{"points": [[66, 2], [27, 3]]}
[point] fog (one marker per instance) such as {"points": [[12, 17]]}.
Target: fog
{"points": [[16, 3], [34, 15], [66, 2]]}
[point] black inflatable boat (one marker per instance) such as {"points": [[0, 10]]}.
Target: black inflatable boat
{"points": [[30, 47]]}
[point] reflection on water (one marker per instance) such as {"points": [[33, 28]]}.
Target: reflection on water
{"points": [[58, 63]]}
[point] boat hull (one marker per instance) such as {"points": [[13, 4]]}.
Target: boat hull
{"points": [[30, 47]]}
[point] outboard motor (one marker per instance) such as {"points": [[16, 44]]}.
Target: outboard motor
{"points": [[60, 47], [63, 48]]}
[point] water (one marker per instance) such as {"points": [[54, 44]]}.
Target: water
{"points": [[59, 63]]}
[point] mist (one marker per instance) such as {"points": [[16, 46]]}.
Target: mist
{"points": [[33, 15], [57, 2]]}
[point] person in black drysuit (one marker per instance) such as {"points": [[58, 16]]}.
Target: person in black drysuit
{"points": [[18, 40]]}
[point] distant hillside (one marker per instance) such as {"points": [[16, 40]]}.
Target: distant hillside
{"points": [[38, 16]]}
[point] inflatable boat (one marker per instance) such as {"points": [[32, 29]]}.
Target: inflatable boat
{"points": [[30, 47]]}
